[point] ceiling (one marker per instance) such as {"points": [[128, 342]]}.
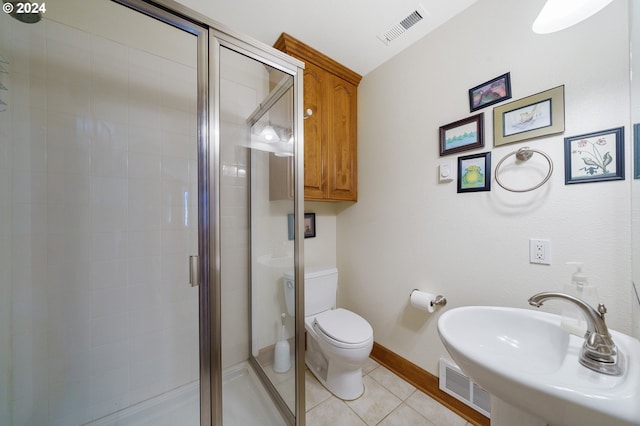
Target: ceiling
{"points": [[345, 30]]}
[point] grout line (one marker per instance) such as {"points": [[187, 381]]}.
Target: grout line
{"points": [[402, 401]]}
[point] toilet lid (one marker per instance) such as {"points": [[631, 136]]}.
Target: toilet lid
{"points": [[344, 326]]}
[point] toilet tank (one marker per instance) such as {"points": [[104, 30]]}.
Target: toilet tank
{"points": [[320, 287]]}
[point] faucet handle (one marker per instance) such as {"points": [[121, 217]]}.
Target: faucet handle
{"points": [[602, 309]]}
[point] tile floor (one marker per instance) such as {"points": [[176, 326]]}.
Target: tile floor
{"points": [[388, 400]]}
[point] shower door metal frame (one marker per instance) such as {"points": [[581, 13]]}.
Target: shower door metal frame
{"points": [[211, 35]]}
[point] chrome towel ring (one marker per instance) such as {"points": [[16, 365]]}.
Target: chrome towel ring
{"points": [[524, 154]]}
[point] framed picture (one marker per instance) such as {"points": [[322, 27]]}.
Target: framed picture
{"points": [[594, 157], [490, 92], [309, 225], [636, 151], [538, 115], [462, 135], [474, 173]]}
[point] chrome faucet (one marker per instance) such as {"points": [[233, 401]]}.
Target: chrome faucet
{"points": [[599, 353]]}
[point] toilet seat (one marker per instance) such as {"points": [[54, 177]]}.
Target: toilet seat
{"points": [[343, 328]]}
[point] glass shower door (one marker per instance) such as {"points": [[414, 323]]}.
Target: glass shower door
{"points": [[98, 215], [256, 148]]}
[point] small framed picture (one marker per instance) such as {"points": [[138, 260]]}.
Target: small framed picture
{"points": [[535, 116], [309, 225], [474, 173], [594, 157], [462, 135], [490, 92]]}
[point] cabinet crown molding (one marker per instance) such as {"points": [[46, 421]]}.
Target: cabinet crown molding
{"points": [[300, 50]]}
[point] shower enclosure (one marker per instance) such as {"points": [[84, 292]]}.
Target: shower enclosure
{"points": [[141, 250]]}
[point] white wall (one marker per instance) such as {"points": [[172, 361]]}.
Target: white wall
{"points": [[320, 251], [409, 231]]}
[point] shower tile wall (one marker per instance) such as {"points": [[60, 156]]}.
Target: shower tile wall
{"points": [[98, 215]]}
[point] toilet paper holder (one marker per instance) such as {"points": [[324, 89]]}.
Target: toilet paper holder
{"points": [[439, 300]]}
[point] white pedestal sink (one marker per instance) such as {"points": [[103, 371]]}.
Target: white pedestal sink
{"points": [[530, 366]]}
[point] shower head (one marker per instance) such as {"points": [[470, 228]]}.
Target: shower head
{"points": [[23, 12]]}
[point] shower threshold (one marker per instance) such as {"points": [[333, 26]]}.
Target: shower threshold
{"points": [[244, 402]]}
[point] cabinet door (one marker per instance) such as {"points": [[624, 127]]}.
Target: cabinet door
{"points": [[342, 124], [315, 153]]}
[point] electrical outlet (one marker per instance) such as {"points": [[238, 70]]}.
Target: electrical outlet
{"points": [[540, 251]]}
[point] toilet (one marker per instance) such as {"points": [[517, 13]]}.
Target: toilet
{"points": [[338, 341]]}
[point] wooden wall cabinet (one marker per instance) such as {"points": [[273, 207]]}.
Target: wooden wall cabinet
{"points": [[330, 133]]}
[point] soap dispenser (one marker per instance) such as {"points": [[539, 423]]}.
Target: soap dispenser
{"points": [[572, 319]]}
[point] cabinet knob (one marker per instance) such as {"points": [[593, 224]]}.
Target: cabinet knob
{"points": [[308, 113]]}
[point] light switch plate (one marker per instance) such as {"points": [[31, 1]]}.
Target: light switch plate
{"points": [[445, 171]]}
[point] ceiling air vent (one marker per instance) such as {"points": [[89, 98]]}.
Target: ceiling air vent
{"points": [[397, 30]]}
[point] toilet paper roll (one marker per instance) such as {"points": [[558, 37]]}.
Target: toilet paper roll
{"points": [[421, 300]]}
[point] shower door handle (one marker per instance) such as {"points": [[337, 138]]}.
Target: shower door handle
{"points": [[194, 271]]}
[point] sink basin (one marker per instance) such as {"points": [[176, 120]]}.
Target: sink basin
{"points": [[524, 358]]}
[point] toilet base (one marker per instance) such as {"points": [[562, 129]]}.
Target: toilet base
{"points": [[342, 380]]}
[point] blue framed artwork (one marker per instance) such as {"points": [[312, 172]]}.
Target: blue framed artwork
{"points": [[594, 157], [474, 173], [490, 92]]}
